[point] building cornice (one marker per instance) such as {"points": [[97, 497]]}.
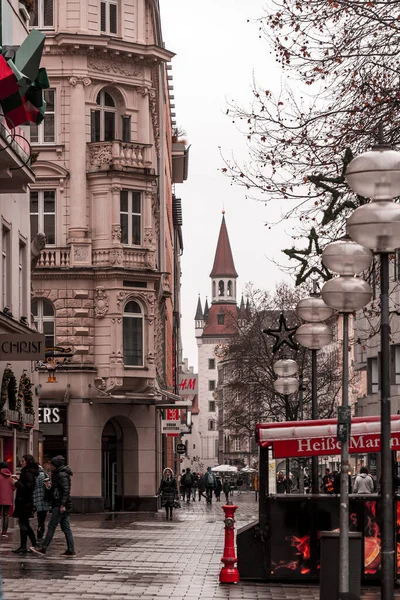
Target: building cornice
{"points": [[94, 273], [101, 45]]}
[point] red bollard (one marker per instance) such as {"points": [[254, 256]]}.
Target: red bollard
{"points": [[229, 572]]}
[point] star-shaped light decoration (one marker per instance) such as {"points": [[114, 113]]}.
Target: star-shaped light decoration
{"points": [[284, 335], [304, 256]]}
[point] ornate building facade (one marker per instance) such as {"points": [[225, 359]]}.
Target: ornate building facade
{"points": [[106, 287]]}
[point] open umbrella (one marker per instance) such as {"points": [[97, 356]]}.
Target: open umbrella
{"points": [[224, 469], [248, 470]]}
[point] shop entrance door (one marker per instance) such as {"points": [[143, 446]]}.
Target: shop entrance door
{"points": [[111, 465]]}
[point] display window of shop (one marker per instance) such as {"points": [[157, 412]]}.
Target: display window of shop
{"points": [[53, 425]]}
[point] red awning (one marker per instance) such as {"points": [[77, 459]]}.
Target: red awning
{"points": [[318, 438]]}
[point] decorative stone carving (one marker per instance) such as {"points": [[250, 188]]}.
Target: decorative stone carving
{"points": [[152, 94], [81, 253], [100, 154], [116, 358], [150, 358], [120, 298], [151, 260], [116, 233], [115, 67], [149, 240], [86, 81], [100, 302], [100, 383], [116, 256], [114, 382], [151, 385], [37, 245]]}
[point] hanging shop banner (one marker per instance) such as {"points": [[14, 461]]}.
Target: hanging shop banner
{"points": [[30, 346], [171, 425]]}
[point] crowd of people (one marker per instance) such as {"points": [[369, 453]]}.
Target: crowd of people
{"points": [[191, 487], [36, 492]]}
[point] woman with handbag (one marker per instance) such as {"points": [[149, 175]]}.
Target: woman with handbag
{"points": [[168, 491], [24, 506]]}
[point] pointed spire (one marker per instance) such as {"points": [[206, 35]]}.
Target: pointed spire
{"points": [[206, 309], [223, 261], [242, 303], [199, 311]]}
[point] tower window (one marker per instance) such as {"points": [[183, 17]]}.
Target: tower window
{"points": [[221, 319], [221, 288], [229, 288], [211, 363], [211, 425], [211, 385]]}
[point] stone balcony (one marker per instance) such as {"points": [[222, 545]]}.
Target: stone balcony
{"points": [[103, 156], [54, 257]]}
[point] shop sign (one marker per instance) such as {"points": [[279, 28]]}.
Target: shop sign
{"points": [[171, 427], [188, 385], [30, 346], [181, 448], [49, 415]]}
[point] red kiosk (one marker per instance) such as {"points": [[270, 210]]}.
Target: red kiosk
{"points": [[284, 543]]}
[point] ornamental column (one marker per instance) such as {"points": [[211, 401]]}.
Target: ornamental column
{"points": [[78, 239]]}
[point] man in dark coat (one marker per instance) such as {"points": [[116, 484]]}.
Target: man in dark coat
{"points": [[23, 507], [61, 506], [210, 482], [187, 483]]}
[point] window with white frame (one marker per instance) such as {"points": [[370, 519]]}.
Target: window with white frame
{"points": [[131, 217], [43, 214], [44, 319], [372, 376], [211, 425], [22, 278], [103, 118], [43, 14], [45, 133], [109, 16], [237, 444], [6, 267], [133, 334]]}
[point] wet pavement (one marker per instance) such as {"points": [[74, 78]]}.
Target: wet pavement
{"points": [[127, 556]]}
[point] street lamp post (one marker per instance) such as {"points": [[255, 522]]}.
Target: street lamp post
{"points": [[314, 335], [345, 294], [286, 384], [376, 174]]}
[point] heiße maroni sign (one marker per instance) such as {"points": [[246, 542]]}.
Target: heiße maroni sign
{"points": [[22, 346]]}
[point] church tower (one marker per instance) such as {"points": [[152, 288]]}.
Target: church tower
{"points": [[214, 327]]}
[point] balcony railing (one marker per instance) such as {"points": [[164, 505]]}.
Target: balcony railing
{"points": [[124, 257], [54, 257], [103, 155]]}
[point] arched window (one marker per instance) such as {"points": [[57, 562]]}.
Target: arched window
{"points": [[44, 319], [103, 118], [221, 288], [214, 289], [133, 334], [229, 289]]}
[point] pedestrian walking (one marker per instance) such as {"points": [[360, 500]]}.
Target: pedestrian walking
{"points": [[6, 496], [364, 484], [281, 487], [187, 483], [60, 495], [168, 491], [195, 485], [23, 506], [218, 489], [226, 488], [239, 484], [255, 485], [180, 486], [41, 506], [202, 487], [327, 483], [210, 483]]}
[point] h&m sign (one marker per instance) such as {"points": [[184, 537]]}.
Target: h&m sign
{"points": [[30, 346]]}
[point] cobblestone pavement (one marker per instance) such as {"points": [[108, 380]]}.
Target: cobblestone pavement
{"points": [[127, 556]]}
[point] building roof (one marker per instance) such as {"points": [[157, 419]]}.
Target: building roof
{"points": [[199, 311], [223, 261], [229, 327]]}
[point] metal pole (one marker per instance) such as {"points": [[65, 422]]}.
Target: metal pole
{"points": [[344, 571], [286, 397], [388, 555], [314, 415], [301, 416]]}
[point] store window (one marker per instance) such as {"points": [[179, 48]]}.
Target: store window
{"points": [[45, 133], [44, 319], [43, 214], [133, 334], [43, 14]]}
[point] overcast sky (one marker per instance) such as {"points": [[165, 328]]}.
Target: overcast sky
{"points": [[217, 51]]}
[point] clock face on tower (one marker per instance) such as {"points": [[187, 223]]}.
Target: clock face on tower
{"points": [[221, 350]]}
